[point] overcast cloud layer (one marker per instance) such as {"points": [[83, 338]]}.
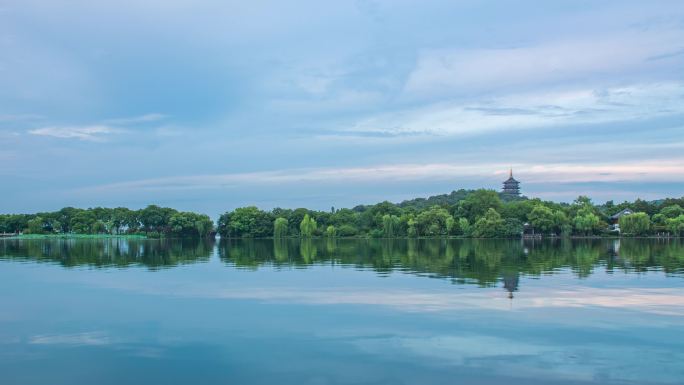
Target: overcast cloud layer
{"points": [[212, 105]]}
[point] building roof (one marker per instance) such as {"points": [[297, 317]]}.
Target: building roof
{"points": [[621, 213], [510, 177]]}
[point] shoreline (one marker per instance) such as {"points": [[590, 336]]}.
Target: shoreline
{"points": [[144, 237], [74, 236]]}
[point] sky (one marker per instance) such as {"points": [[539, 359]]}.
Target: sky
{"points": [[212, 105]]}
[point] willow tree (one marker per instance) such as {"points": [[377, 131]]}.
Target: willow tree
{"points": [[390, 224], [635, 224], [464, 226], [586, 221], [676, 225], [280, 228], [307, 226]]}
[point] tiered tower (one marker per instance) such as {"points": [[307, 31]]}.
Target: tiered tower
{"points": [[511, 187]]}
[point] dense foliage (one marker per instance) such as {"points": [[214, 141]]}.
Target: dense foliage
{"points": [[478, 213], [152, 221]]}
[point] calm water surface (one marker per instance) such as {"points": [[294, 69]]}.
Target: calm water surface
{"points": [[120, 311]]}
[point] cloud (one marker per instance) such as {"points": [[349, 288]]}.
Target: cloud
{"points": [[89, 133], [532, 356], [137, 119], [95, 132], [331, 175], [662, 170], [362, 83], [651, 300], [534, 110], [77, 339], [464, 70]]}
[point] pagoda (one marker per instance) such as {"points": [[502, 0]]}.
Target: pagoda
{"points": [[511, 187]]}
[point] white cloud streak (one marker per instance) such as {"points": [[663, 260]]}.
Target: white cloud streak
{"points": [[663, 170], [654, 300], [89, 133], [147, 118], [538, 110], [76, 339], [459, 70]]}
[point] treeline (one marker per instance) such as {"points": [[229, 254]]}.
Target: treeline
{"points": [[152, 221], [478, 213]]}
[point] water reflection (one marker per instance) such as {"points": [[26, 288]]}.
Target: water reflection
{"points": [[483, 262], [109, 252], [263, 311]]}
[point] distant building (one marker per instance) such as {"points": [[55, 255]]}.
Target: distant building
{"points": [[511, 187], [615, 219]]}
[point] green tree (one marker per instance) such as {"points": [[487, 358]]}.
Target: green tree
{"points": [[411, 227], [64, 216], [560, 223], [433, 221], [307, 227], [586, 222], [246, 222], [489, 226], [330, 231], [280, 228], [464, 226], [190, 225], [35, 226], [672, 211], [123, 218], [542, 218], [512, 228], [635, 224], [98, 227], [82, 222], [451, 225], [676, 225], [390, 225], [155, 218], [203, 224], [519, 209], [477, 203], [347, 230]]}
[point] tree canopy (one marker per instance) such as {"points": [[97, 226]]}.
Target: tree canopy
{"points": [[462, 213]]}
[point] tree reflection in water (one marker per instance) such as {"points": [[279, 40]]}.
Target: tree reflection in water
{"points": [[482, 262], [109, 252]]}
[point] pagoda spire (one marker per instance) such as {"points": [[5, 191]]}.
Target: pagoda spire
{"points": [[510, 172]]}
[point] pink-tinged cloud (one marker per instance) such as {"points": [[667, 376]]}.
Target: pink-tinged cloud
{"points": [[668, 170]]}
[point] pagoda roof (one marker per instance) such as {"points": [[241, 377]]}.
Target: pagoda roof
{"points": [[621, 213], [510, 177]]}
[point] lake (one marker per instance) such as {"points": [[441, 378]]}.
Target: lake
{"points": [[118, 311]]}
